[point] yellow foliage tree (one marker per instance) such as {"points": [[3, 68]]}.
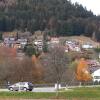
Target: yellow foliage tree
{"points": [[82, 73]]}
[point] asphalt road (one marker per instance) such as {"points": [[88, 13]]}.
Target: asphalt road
{"points": [[52, 89], [44, 89], [38, 89], [48, 89]]}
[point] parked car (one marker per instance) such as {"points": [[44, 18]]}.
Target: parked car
{"points": [[25, 86]]}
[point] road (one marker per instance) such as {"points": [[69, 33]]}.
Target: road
{"points": [[50, 89], [38, 89], [44, 89]]}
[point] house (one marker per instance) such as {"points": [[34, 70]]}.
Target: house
{"points": [[87, 46], [17, 45], [39, 44], [9, 42], [20, 43], [93, 63], [9, 38], [9, 35], [54, 41], [23, 35], [72, 46], [96, 76]]}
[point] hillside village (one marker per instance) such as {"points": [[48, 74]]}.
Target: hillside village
{"points": [[75, 46], [79, 44], [49, 49], [19, 39]]}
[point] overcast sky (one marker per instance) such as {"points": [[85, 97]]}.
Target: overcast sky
{"points": [[94, 5]]}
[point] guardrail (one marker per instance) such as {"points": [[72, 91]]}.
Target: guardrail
{"points": [[2, 86]]}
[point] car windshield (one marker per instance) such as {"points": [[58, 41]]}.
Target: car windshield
{"points": [[30, 84]]}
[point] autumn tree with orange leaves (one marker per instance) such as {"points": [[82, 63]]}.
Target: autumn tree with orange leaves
{"points": [[82, 73]]}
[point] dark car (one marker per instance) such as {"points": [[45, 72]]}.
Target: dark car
{"points": [[25, 86]]}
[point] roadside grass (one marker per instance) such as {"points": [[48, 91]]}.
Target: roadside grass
{"points": [[83, 93], [26, 95]]}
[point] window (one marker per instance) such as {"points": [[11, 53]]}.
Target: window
{"points": [[96, 77], [22, 83]]}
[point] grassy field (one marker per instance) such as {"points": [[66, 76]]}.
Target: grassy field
{"points": [[73, 94]]}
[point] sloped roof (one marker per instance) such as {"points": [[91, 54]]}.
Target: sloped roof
{"points": [[97, 72]]}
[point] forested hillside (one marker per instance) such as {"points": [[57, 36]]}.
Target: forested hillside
{"points": [[60, 17]]}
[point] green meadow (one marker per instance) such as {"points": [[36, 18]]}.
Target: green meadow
{"points": [[83, 93]]}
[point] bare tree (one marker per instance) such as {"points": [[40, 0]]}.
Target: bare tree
{"points": [[14, 70], [6, 63], [25, 70], [56, 64]]}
